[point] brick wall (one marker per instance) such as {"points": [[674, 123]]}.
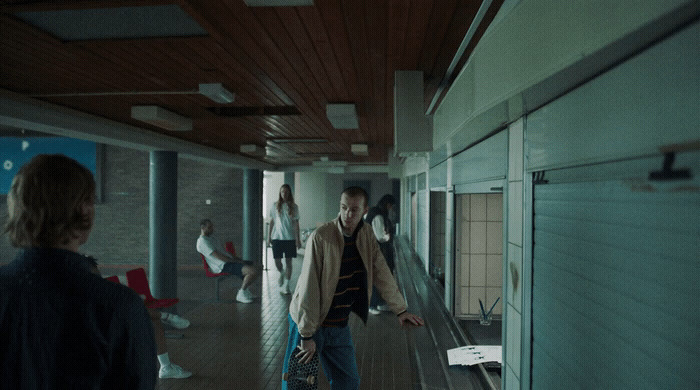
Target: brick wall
{"points": [[120, 235]]}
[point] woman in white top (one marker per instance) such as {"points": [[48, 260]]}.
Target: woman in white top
{"points": [[283, 232]]}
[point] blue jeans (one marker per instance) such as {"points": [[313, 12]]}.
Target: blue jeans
{"points": [[336, 353]]}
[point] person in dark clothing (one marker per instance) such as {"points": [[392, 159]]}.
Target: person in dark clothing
{"points": [[61, 325], [383, 227]]}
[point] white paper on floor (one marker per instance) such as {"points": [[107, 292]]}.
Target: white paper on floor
{"points": [[474, 354]]}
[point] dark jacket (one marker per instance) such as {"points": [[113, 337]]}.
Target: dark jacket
{"points": [[63, 327]]}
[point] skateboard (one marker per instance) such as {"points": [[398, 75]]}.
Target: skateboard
{"points": [[301, 376]]}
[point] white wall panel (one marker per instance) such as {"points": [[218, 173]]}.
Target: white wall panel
{"points": [[650, 101], [438, 175], [486, 160]]}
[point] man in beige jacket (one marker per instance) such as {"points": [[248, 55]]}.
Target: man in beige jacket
{"points": [[342, 261]]}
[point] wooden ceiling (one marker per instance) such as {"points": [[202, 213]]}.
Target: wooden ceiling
{"points": [[336, 51]]}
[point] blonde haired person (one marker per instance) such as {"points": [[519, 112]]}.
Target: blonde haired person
{"points": [[283, 234], [62, 326]]}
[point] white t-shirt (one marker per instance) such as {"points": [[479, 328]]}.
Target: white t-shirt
{"points": [[283, 223], [206, 245], [379, 229]]}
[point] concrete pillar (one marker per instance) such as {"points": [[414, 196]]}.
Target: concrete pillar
{"points": [[252, 215], [162, 213]]}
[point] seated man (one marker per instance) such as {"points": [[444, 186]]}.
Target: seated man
{"points": [[219, 260], [167, 368]]}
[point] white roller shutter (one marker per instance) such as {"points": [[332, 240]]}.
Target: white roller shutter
{"points": [[616, 278]]}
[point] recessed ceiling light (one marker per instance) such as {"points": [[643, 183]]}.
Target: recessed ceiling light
{"points": [[217, 93], [115, 22], [160, 117], [297, 140], [342, 116], [359, 149], [252, 149]]}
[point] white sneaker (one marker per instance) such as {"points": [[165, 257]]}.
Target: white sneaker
{"points": [[285, 287], [173, 371], [243, 296], [373, 310], [175, 321]]}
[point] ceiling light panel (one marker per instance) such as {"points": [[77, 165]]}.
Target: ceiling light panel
{"points": [[359, 149], [342, 116], [115, 23], [160, 117], [217, 93], [297, 140]]}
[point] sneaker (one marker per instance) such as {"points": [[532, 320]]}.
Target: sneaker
{"points": [[175, 321], [383, 308], [173, 371], [281, 279], [285, 287], [373, 310], [243, 296]]}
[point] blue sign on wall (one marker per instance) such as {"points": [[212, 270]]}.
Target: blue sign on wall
{"points": [[15, 152]]}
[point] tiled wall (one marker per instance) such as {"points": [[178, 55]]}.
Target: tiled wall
{"points": [[480, 251]]}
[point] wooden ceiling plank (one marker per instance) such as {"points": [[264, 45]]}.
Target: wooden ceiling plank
{"points": [[286, 47], [51, 67], [377, 13], [322, 51], [212, 20], [339, 40], [222, 62], [252, 57], [397, 27], [416, 39], [258, 38], [457, 29], [305, 52], [438, 28], [59, 5], [355, 19], [39, 48]]}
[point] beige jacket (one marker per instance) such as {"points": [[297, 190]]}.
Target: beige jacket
{"points": [[321, 269]]}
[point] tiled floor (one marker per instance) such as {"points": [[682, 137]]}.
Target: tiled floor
{"points": [[241, 346]]}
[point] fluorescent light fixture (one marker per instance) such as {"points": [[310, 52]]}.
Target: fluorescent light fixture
{"points": [[359, 149], [336, 170], [161, 117], [278, 3], [337, 163], [297, 140], [342, 116], [252, 149], [217, 93]]}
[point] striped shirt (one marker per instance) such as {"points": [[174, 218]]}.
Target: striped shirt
{"points": [[352, 272]]}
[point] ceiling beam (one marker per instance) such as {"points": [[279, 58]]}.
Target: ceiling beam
{"points": [[20, 112]]}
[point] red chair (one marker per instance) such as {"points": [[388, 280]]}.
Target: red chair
{"points": [[114, 279], [221, 275], [136, 280]]}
